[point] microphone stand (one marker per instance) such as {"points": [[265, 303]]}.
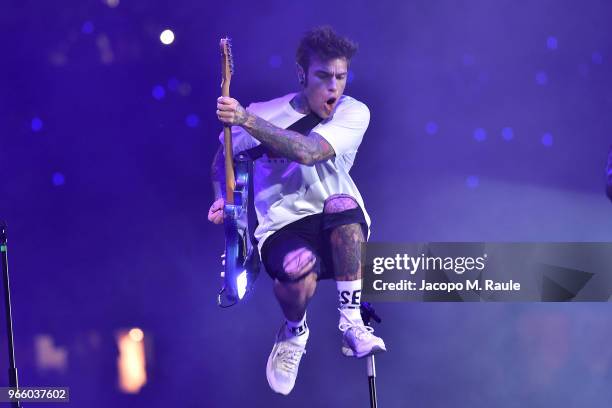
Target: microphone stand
{"points": [[12, 371], [368, 313]]}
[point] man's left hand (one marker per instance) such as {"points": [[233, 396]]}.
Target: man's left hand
{"points": [[230, 112]]}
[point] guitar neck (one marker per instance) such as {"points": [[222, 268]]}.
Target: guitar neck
{"points": [[230, 180]]}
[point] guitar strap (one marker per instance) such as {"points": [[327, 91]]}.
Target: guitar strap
{"points": [[302, 126]]}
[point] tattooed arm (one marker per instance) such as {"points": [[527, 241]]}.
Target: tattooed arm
{"points": [[306, 150]]}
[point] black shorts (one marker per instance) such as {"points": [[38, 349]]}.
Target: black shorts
{"points": [[312, 232]]}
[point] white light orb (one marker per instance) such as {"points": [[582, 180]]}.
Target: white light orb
{"points": [[166, 37]]}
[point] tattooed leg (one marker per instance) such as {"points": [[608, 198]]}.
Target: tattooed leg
{"points": [[346, 251], [345, 240]]}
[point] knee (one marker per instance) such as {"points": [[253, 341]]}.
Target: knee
{"points": [[338, 203], [297, 265]]}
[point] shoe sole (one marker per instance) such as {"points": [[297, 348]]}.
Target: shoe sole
{"points": [[375, 350]]}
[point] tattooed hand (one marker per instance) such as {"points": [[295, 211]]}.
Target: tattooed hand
{"points": [[230, 112]]}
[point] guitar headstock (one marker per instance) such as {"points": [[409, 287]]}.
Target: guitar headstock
{"points": [[227, 61]]}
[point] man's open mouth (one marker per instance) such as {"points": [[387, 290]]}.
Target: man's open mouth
{"points": [[331, 101]]}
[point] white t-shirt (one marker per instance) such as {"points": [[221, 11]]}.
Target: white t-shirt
{"points": [[286, 191]]}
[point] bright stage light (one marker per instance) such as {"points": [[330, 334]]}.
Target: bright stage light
{"points": [[167, 37], [131, 363], [136, 334]]}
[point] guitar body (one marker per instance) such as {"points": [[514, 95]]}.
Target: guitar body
{"points": [[241, 255]]}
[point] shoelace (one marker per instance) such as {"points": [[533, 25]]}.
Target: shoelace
{"points": [[289, 357], [361, 330]]}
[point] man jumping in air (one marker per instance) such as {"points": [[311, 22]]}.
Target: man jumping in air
{"points": [[312, 218]]}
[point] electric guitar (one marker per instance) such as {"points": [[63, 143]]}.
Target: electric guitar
{"points": [[241, 264]]}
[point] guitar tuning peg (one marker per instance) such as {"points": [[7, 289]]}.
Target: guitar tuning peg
{"points": [[222, 274]]}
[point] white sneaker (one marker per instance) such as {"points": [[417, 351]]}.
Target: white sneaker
{"points": [[358, 340], [284, 360]]}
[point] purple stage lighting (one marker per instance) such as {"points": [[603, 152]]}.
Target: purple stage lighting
{"points": [[158, 92], [275, 61], [508, 133], [480, 134], [468, 60], [173, 84], [597, 58], [431, 128], [350, 77], [192, 120], [472, 182], [36, 124], [541, 78], [552, 43], [547, 139], [58, 179], [483, 77], [87, 27]]}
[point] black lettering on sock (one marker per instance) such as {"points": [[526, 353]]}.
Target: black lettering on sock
{"points": [[297, 331], [356, 300], [344, 297]]}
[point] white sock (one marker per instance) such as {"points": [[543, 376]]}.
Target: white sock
{"points": [[349, 295], [296, 329]]}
